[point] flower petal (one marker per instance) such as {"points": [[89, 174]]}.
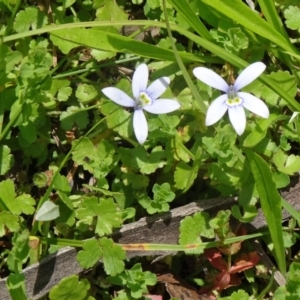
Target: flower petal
{"points": [[237, 118], [249, 74], [140, 80], [216, 110], [118, 96], [140, 126], [254, 104], [158, 87], [211, 78], [162, 106]]}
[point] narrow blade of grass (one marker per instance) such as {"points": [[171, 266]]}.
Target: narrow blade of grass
{"points": [[270, 201]]}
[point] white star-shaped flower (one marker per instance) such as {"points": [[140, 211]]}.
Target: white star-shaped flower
{"points": [[145, 98], [233, 101]]}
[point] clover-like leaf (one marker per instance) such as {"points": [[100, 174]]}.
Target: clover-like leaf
{"points": [[106, 212], [8, 221]]}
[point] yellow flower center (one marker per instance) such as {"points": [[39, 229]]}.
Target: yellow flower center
{"points": [[233, 99], [143, 100]]}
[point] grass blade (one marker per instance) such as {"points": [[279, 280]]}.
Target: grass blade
{"points": [[270, 201]]}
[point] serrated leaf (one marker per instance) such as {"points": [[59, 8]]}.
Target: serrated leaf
{"points": [[7, 159], [31, 17], [47, 212], [64, 93], [70, 288], [17, 205], [192, 227], [8, 221], [100, 55], [97, 159], [292, 17], [105, 210], [91, 253], [113, 256]]}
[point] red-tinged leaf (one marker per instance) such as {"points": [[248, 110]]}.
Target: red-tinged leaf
{"points": [[222, 280], [244, 261], [215, 258], [234, 280]]}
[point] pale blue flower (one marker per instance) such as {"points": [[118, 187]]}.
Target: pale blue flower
{"points": [[145, 98], [233, 101]]}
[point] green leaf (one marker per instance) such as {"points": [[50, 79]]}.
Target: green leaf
{"points": [[292, 17], [108, 41], [185, 175], [64, 93], [86, 93], [10, 221], [47, 212], [239, 295], [282, 79], [292, 289], [91, 253], [74, 116], [70, 288], [242, 14], [97, 159], [61, 184], [31, 17], [192, 227], [286, 164], [106, 212], [16, 286], [137, 181], [17, 205], [7, 159], [162, 195], [270, 201], [113, 256], [135, 280], [139, 159], [186, 10], [20, 251], [260, 131]]}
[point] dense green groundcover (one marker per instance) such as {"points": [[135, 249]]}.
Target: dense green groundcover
{"points": [[75, 164]]}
